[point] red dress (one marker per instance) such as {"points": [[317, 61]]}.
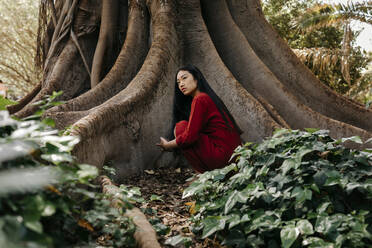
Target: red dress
{"points": [[205, 140]]}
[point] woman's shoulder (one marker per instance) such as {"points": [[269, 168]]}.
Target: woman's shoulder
{"points": [[203, 97]]}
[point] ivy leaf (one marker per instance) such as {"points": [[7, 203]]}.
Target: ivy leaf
{"points": [[317, 242], [58, 158], [234, 219], [288, 235], [34, 226], [287, 165], [236, 238], [305, 227], [49, 209], [311, 130], [213, 224], [195, 188], [178, 240], [161, 229], [333, 178], [323, 207], [231, 201], [87, 172], [301, 194], [156, 198], [355, 139]]}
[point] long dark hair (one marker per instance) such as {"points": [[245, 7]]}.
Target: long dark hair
{"points": [[182, 103]]}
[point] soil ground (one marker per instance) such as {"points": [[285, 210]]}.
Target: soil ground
{"points": [[172, 211]]}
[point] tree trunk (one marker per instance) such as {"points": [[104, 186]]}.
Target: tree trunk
{"points": [[120, 107]]}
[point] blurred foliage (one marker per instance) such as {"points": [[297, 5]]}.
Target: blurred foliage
{"points": [[295, 189], [47, 199], [321, 37], [18, 29], [4, 102]]}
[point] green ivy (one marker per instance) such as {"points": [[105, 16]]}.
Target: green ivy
{"points": [[47, 199], [295, 189]]}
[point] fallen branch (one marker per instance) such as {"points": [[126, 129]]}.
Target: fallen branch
{"points": [[144, 234]]}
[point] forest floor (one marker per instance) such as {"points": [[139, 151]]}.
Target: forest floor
{"points": [[162, 189]]}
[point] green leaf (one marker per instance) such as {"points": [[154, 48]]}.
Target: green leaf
{"points": [[161, 229], [315, 188], [16, 149], [179, 240], [333, 177], [49, 209], [323, 207], [311, 130], [301, 194], [287, 165], [305, 227], [328, 224], [235, 238], [288, 235], [87, 172], [195, 188], [314, 242], [301, 153], [48, 121], [34, 226], [156, 198], [231, 201], [280, 132], [58, 158], [355, 139], [233, 220], [213, 224]]}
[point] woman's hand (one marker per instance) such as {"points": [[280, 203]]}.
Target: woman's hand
{"points": [[163, 144], [167, 145]]}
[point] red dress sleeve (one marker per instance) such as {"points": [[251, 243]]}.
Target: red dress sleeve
{"points": [[198, 118]]}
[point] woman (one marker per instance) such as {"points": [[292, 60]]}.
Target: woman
{"points": [[204, 129]]}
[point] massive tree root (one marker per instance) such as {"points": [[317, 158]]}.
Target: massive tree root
{"points": [[121, 108]]}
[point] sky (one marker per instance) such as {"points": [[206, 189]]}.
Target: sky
{"points": [[365, 37]]}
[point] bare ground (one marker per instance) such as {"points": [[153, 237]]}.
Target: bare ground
{"points": [[172, 211]]}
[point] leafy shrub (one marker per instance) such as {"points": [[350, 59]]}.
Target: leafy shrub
{"points": [[296, 189], [47, 199]]}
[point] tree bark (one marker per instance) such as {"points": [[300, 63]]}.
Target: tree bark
{"points": [[120, 115], [290, 71]]}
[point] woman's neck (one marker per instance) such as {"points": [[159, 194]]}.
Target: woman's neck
{"points": [[195, 93]]}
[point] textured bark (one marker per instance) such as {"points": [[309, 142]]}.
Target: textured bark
{"points": [[125, 111], [292, 73], [256, 77], [105, 45]]}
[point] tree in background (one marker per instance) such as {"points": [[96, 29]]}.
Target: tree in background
{"points": [[18, 28], [120, 102], [321, 36]]}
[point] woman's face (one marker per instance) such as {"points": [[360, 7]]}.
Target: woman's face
{"points": [[187, 84]]}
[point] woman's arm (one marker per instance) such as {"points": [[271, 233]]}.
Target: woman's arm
{"points": [[167, 145], [198, 118]]}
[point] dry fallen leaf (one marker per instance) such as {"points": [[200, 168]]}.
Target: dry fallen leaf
{"points": [[150, 172], [85, 224], [192, 207], [53, 189], [324, 154]]}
